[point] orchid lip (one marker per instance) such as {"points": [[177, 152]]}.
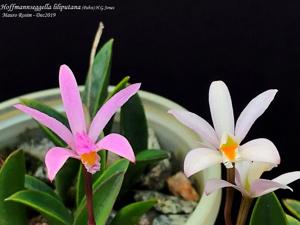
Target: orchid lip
{"points": [[229, 148]]}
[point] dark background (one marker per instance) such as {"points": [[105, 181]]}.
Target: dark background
{"points": [[176, 49]]}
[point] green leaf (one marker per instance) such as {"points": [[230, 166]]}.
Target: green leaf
{"points": [[50, 112], [119, 166], [151, 155], [12, 175], [51, 208], [65, 177], [33, 183], [121, 85], [131, 214], [105, 192], [134, 124], [98, 78], [293, 206], [79, 186], [291, 220], [268, 211]]}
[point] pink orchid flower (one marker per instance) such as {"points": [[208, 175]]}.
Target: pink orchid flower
{"points": [[248, 183], [82, 140], [223, 142]]}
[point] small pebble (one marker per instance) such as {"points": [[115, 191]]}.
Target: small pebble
{"points": [[180, 185], [166, 204], [148, 218], [170, 220], [39, 220]]}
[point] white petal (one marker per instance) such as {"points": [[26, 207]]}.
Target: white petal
{"points": [[253, 110], [261, 187], [287, 178], [221, 108], [260, 150], [256, 169], [197, 124], [240, 179], [215, 184], [241, 172], [200, 159]]}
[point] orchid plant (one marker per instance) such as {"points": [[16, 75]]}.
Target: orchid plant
{"points": [[78, 163], [245, 163]]}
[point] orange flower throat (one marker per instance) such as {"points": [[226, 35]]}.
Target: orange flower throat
{"points": [[89, 158]]}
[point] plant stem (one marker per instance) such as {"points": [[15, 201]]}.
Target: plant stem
{"points": [[229, 196], [1, 161], [244, 210], [89, 196], [96, 43]]}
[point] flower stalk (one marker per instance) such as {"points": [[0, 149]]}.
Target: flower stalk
{"points": [[89, 196], [229, 197], [244, 210]]}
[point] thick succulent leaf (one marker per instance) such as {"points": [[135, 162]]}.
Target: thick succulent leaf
{"points": [[98, 78], [33, 183], [119, 166], [151, 155], [134, 124], [12, 175], [51, 208], [268, 211], [79, 186], [293, 206], [291, 220], [121, 85], [65, 178], [105, 192], [131, 214], [50, 112]]}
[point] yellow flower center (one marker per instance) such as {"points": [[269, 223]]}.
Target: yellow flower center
{"points": [[89, 158], [229, 148]]}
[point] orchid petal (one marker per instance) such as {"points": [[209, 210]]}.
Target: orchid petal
{"points": [[256, 169], [197, 124], [241, 172], [261, 187], [71, 100], [215, 184], [240, 178], [221, 108], [57, 127], [56, 158], [109, 108], [253, 110], [200, 159], [287, 178], [249, 171], [117, 144], [261, 150]]}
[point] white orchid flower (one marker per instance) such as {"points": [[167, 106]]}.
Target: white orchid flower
{"points": [[224, 140], [248, 182]]}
